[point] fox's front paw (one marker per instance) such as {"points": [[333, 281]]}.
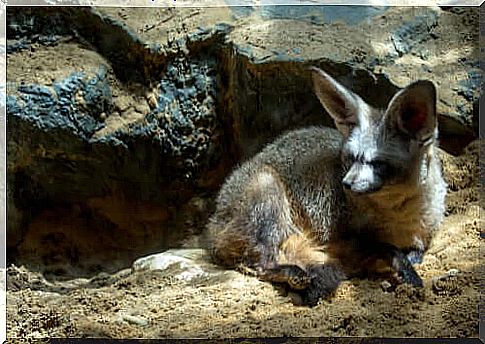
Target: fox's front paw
{"points": [[415, 256], [295, 277], [410, 276], [405, 269], [324, 281], [402, 264]]}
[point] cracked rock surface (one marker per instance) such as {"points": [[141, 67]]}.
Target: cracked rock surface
{"points": [[123, 122]]}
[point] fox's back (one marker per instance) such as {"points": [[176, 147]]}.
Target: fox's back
{"points": [[308, 163]]}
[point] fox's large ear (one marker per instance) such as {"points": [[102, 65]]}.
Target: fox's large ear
{"points": [[342, 104], [413, 111]]}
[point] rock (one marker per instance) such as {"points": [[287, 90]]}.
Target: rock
{"points": [[135, 119], [61, 135], [142, 107], [191, 263], [350, 15], [122, 103], [386, 286], [135, 320], [416, 31]]}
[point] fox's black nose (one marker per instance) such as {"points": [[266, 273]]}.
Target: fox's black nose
{"points": [[347, 185]]}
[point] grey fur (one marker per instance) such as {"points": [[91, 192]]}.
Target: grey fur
{"points": [[375, 184]]}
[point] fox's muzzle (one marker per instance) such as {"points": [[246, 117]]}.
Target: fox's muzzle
{"points": [[361, 178]]}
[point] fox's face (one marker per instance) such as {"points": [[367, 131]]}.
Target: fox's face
{"points": [[384, 148]]}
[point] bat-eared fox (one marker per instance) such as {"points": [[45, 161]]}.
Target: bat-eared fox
{"points": [[320, 205]]}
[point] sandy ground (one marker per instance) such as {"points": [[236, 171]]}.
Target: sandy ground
{"points": [[153, 304]]}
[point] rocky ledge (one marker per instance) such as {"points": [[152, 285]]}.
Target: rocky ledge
{"points": [[122, 123]]}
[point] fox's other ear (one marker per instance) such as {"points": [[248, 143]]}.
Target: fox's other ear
{"points": [[413, 110], [342, 104]]}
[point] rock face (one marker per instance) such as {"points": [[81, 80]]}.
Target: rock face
{"points": [[189, 264], [122, 123]]}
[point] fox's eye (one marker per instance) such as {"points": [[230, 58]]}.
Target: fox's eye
{"points": [[380, 165], [348, 160]]}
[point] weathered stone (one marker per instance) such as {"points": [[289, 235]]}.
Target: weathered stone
{"points": [[171, 98], [190, 263], [418, 30], [134, 320], [386, 286]]}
